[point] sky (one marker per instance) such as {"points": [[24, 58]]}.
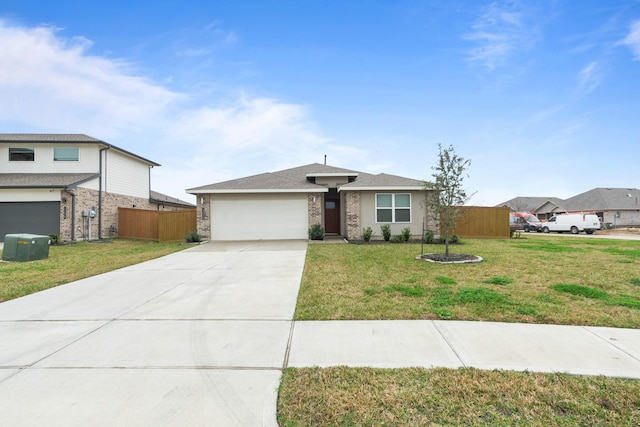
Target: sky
{"points": [[542, 97]]}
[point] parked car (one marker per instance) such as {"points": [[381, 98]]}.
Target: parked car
{"points": [[575, 223], [529, 221], [515, 223]]}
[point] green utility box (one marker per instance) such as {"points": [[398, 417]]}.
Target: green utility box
{"points": [[25, 247]]}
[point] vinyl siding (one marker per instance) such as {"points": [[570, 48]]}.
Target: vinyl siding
{"points": [[44, 163], [125, 175]]}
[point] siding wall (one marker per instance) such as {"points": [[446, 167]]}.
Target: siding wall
{"points": [[87, 163], [368, 214], [125, 175]]}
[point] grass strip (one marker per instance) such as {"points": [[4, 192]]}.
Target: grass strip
{"points": [[341, 396]]}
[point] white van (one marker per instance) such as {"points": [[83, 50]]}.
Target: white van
{"points": [[574, 223]]}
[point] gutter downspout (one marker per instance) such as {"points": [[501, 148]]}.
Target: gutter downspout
{"points": [[100, 190], [73, 214]]}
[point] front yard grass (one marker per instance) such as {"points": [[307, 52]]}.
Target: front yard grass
{"points": [[343, 396], [539, 279], [67, 263]]}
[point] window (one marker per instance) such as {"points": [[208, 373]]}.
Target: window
{"points": [[66, 154], [22, 155], [393, 207]]}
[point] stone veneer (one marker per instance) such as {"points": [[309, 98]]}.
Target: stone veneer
{"points": [[352, 212], [203, 215], [315, 208]]}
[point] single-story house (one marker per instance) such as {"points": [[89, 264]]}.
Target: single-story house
{"points": [[71, 185], [286, 203], [619, 207]]}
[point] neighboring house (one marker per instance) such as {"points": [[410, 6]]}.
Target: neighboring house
{"points": [[50, 184], [164, 202], [619, 207], [542, 207], [284, 204]]}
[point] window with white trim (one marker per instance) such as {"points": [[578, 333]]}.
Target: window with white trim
{"points": [[392, 207], [22, 154], [66, 154]]}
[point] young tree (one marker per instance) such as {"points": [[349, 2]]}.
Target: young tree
{"points": [[448, 195]]}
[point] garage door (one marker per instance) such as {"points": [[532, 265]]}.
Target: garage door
{"points": [[259, 217], [29, 217]]}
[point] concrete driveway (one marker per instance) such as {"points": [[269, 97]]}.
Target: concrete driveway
{"points": [[196, 338]]}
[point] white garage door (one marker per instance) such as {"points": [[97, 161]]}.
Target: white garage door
{"points": [[252, 217]]}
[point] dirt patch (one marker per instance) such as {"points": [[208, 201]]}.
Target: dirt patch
{"points": [[451, 259]]}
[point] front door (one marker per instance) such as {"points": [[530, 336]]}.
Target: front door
{"points": [[332, 216]]}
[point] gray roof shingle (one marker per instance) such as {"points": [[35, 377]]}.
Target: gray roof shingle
{"points": [[157, 197], [47, 137], [383, 180], [44, 180], [295, 180], [605, 199]]}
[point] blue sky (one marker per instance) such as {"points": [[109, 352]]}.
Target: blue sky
{"points": [[543, 97]]}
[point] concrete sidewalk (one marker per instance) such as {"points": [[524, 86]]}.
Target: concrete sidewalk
{"points": [[200, 337], [453, 344]]}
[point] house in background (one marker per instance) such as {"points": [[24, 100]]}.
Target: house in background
{"points": [[61, 183], [542, 207], [284, 204], [619, 207]]}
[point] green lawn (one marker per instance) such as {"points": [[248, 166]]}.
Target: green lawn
{"points": [[342, 396], [540, 279], [67, 263], [537, 279]]}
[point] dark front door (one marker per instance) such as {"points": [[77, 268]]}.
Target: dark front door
{"points": [[332, 216]]}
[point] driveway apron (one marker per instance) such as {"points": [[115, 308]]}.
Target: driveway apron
{"points": [[198, 338]]}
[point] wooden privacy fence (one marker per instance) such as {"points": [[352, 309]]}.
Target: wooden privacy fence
{"points": [[482, 222], [162, 226]]}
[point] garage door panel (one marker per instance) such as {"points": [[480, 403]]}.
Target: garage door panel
{"points": [[29, 217], [248, 218]]}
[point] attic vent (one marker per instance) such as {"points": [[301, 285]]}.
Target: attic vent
{"points": [[311, 179], [352, 178]]}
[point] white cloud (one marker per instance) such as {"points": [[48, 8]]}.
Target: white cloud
{"points": [[633, 39], [53, 84], [498, 32], [589, 77]]}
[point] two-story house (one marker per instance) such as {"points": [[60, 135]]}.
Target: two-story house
{"points": [[70, 185]]}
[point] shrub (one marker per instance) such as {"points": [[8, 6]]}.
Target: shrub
{"points": [[193, 237], [367, 233], [386, 231], [452, 240], [55, 239], [406, 234], [398, 238], [316, 232], [429, 237]]}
